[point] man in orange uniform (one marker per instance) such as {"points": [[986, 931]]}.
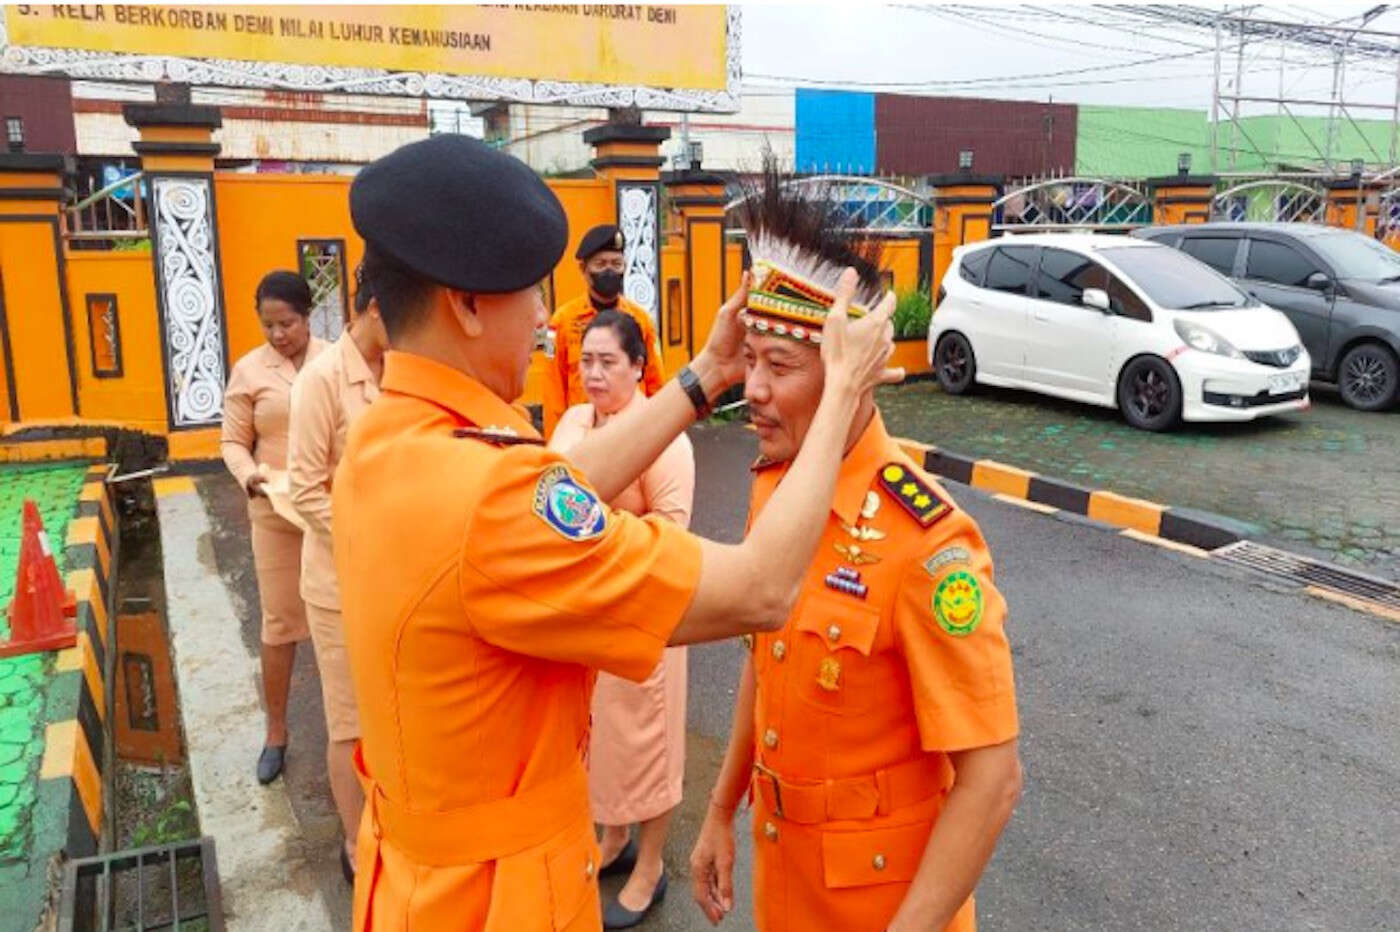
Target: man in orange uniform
{"points": [[877, 729], [600, 259], [483, 580]]}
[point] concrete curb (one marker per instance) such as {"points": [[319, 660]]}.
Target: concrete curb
{"points": [[1178, 525]]}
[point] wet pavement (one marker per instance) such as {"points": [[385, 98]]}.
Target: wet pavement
{"points": [[1208, 758], [1324, 482]]}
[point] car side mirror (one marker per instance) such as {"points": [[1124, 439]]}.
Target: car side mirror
{"points": [[1096, 298], [1319, 281]]}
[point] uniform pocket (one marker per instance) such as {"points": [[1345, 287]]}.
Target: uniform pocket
{"points": [[833, 654], [573, 876], [874, 856]]}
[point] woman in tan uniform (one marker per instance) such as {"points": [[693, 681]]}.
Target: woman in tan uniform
{"points": [[328, 396], [256, 411], [636, 757]]}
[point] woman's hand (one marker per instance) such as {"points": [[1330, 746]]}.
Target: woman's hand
{"points": [[712, 865], [855, 351], [255, 485]]}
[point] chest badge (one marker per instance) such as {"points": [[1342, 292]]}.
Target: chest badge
{"points": [[957, 603], [854, 555], [844, 579], [829, 674], [871, 506], [862, 532]]}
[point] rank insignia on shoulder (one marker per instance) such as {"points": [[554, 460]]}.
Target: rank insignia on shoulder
{"points": [[500, 436], [915, 495], [571, 509]]}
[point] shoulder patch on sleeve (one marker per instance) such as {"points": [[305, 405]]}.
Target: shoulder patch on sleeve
{"points": [[572, 510], [957, 603], [915, 495]]}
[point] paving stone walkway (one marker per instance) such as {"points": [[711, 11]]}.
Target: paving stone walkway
{"points": [[22, 679], [1324, 481]]}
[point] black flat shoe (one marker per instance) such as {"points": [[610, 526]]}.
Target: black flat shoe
{"points": [[617, 916], [270, 763], [346, 868], [624, 862]]}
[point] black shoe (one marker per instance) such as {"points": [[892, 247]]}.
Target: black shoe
{"points": [[624, 862], [346, 868], [270, 763], [617, 916]]}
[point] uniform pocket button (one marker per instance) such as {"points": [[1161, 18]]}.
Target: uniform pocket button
{"points": [[779, 650], [770, 831], [589, 869], [879, 862], [834, 633], [770, 738]]}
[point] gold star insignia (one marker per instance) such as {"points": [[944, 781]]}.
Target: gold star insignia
{"points": [[922, 501], [908, 489]]}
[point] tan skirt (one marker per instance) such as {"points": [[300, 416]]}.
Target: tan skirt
{"points": [[277, 560], [337, 689], [636, 757]]}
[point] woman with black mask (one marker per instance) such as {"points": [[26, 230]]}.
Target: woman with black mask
{"points": [[600, 259]]}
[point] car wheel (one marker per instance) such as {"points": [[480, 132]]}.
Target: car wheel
{"points": [[1368, 377], [1149, 394], [955, 364]]}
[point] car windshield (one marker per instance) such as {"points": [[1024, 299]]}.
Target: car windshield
{"points": [[1174, 280], [1358, 257]]}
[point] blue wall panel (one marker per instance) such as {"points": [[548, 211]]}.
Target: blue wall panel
{"points": [[835, 131]]}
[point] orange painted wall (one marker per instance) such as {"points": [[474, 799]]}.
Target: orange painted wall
{"points": [[34, 314], [137, 396], [260, 219]]}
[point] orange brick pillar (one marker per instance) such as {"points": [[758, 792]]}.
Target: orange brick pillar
{"points": [[36, 322], [1354, 204], [962, 213], [699, 198], [628, 155], [1182, 198], [177, 156]]}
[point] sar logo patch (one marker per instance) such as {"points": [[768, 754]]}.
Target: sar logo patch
{"points": [[957, 603], [568, 507]]}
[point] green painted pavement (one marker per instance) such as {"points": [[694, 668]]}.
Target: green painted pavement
{"points": [[23, 679], [1326, 480]]}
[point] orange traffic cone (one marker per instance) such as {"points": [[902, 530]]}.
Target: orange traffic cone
{"points": [[41, 615]]}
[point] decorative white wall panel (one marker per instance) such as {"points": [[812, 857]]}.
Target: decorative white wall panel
{"points": [[638, 218]]}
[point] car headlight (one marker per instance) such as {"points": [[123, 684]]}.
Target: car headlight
{"points": [[1205, 339]]}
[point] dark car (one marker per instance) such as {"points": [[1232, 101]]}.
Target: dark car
{"points": [[1340, 289]]}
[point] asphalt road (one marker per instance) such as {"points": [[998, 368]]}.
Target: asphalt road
{"points": [[1202, 749]]}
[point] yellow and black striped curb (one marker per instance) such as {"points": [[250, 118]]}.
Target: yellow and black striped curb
{"points": [[21, 449], [71, 776], [1134, 515]]}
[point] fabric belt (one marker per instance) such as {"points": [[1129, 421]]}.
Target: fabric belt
{"points": [[486, 831], [861, 797]]}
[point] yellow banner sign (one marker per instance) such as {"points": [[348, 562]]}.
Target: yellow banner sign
{"points": [[669, 47]]}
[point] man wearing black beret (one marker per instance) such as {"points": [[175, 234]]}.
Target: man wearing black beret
{"points": [[601, 260], [482, 578]]}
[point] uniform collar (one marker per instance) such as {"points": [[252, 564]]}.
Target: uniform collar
{"points": [[872, 450], [457, 392], [356, 368]]}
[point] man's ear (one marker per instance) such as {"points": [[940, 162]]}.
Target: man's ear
{"points": [[464, 309]]}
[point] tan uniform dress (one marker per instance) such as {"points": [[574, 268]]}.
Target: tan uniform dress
{"points": [[327, 397], [636, 757], [256, 404]]}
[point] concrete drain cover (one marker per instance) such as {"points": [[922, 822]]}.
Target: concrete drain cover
{"points": [[1284, 565]]}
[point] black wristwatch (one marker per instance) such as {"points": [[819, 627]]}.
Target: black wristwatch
{"points": [[691, 383]]}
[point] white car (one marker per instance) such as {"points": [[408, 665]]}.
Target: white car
{"points": [[1114, 321]]}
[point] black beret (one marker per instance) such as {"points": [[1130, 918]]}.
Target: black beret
{"points": [[460, 213], [597, 239]]}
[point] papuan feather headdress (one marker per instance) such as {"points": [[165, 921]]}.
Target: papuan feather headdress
{"points": [[799, 248]]}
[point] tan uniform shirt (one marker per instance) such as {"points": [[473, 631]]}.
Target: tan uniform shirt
{"points": [[328, 396], [256, 405]]}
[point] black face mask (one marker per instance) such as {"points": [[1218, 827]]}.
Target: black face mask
{"points": [[606, 284]]}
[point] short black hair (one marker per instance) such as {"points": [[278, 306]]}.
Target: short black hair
{"points": [[629, 333], [283, 285], [363, 292], [402, 293]]}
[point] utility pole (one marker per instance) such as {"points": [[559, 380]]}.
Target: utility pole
{"points": [[1239, 92], [1215, 104]]}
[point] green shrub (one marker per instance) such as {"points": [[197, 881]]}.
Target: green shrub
{"points": [[912, 312]]}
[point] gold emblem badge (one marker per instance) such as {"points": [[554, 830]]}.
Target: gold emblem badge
{"points": [[829, 674], [855, 556], [870, 506], [863, 533]]}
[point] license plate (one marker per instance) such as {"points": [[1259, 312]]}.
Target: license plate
{"points": [[1282, 384]]}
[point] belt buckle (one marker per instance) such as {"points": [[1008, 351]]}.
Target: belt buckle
{"points": [[763, 771]]}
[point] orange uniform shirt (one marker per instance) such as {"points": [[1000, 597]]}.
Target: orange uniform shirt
{"points": [[562, 386], [863, 692], [481, 584]]}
